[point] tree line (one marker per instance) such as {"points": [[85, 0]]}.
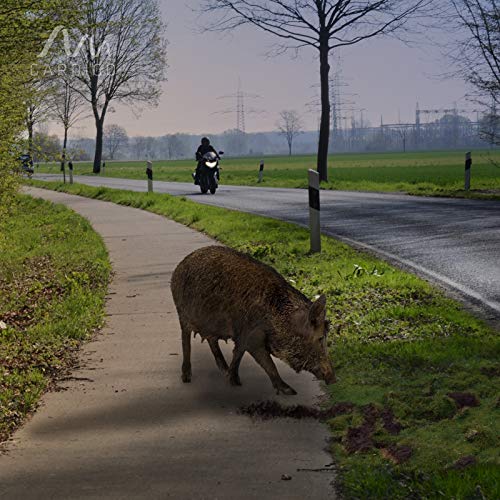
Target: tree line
{"points": [[451, 131]]}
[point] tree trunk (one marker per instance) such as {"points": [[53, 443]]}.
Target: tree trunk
{"points": [[99, 125], [324, 129], [30, 125], [289, 148], [63, 162], [65, 141], [30, 139]]}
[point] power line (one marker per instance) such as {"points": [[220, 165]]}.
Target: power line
{"points": [[239, 107], [339, 105]]}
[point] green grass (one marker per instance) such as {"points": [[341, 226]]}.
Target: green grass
{"points": [[439, 173], [397, 343], [53, 277]]}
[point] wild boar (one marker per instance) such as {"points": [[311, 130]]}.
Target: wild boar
{"points": [[224, 294]]}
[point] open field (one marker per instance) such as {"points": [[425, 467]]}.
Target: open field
{"points": [[53, 277], [417, 375], [433, 173]]}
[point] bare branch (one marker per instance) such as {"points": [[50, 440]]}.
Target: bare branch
{"points": [[475, 52]]}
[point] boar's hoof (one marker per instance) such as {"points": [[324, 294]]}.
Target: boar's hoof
{"points": [[234, 379], [186, 376], [286, 389]]}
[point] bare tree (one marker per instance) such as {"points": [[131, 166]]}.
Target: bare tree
{"points": [[67, 109], [177, 146], [34, 115], [477, 54], [324, 25], [115, 137], [123, 57], [490, 127], [39, 94], [403, 134], [290, 126]]}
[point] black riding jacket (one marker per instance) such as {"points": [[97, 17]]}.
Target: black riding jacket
{"points": [[203, 150]]}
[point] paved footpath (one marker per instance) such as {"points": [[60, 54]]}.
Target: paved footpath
{"points": [[127, 427]]}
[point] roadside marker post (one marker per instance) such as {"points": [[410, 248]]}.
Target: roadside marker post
{"points": [[149, 173], [261, 171], [314, 211], [70, 168], [468, 165]]}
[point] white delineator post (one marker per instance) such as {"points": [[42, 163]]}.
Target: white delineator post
{"points": [[149, 173], [261, 171], [314, 211], [468, 165]]}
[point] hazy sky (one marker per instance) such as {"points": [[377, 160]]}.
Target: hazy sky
{"points": [[384, 75]]}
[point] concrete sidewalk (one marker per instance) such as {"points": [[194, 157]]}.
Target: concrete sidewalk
{"points": [[127, 427]]}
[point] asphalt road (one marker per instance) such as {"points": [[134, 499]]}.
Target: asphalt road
{"points": [[453, 242]]}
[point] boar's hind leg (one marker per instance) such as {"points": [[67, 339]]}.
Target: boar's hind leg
{"points": [[238, 352], [264, 359], [186, 353], [219, 357]]}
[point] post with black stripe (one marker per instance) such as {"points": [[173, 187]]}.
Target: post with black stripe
{"points": [[468, 165], [149, 173], [314, 211], [261, 171]]}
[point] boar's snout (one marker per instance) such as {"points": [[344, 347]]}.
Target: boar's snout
{"points": [[326, 372]]}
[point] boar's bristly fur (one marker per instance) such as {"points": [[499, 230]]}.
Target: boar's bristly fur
{"points": [[224, 294]]}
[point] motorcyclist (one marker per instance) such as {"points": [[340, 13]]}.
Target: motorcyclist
{"points": [[204, 148]]}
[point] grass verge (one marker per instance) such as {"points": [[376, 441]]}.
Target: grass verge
{"points": [[54, 273], [417, 375]]}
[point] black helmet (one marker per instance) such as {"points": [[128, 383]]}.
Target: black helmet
{"points": [[205, 141]]}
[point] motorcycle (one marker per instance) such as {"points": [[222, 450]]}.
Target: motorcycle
{"points": [[26, 166], [209, 172]]}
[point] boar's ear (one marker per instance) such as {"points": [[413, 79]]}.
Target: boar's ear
{"points": [[317, 312]]}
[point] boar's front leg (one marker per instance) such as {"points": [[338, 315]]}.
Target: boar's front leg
{"points": [[262, 356], [238, 352], [186, 353], [219, 357]]}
